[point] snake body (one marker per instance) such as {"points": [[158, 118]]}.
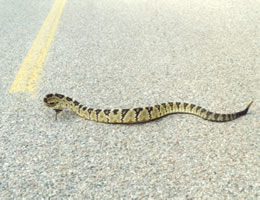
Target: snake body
{"points": [[136, 115]]}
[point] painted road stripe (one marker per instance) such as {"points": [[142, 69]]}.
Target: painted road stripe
{"points": [[28, 76]]}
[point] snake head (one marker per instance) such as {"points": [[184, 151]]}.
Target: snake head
{"points": [[51, 101]]}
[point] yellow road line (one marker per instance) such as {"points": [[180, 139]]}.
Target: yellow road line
{"points": [[28, 76]]}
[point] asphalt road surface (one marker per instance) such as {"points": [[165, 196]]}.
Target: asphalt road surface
{"points": [[122, 54]]}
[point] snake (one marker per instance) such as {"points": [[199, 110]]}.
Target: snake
{"points": [[135, 115]]}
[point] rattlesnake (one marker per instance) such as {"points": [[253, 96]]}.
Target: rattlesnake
{"points": [[136, 115]]}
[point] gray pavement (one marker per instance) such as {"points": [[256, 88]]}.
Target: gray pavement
{"points": [[111, 54]]}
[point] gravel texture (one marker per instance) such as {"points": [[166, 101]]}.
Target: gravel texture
{"points": [[111, 54]]}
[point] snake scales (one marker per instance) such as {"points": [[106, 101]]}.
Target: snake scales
{"points": [[136, 115]]}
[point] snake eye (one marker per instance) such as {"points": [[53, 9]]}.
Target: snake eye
{"points": [[52, 104]]}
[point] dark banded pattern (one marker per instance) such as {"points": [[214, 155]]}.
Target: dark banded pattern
{"points": [[136, 115]]}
